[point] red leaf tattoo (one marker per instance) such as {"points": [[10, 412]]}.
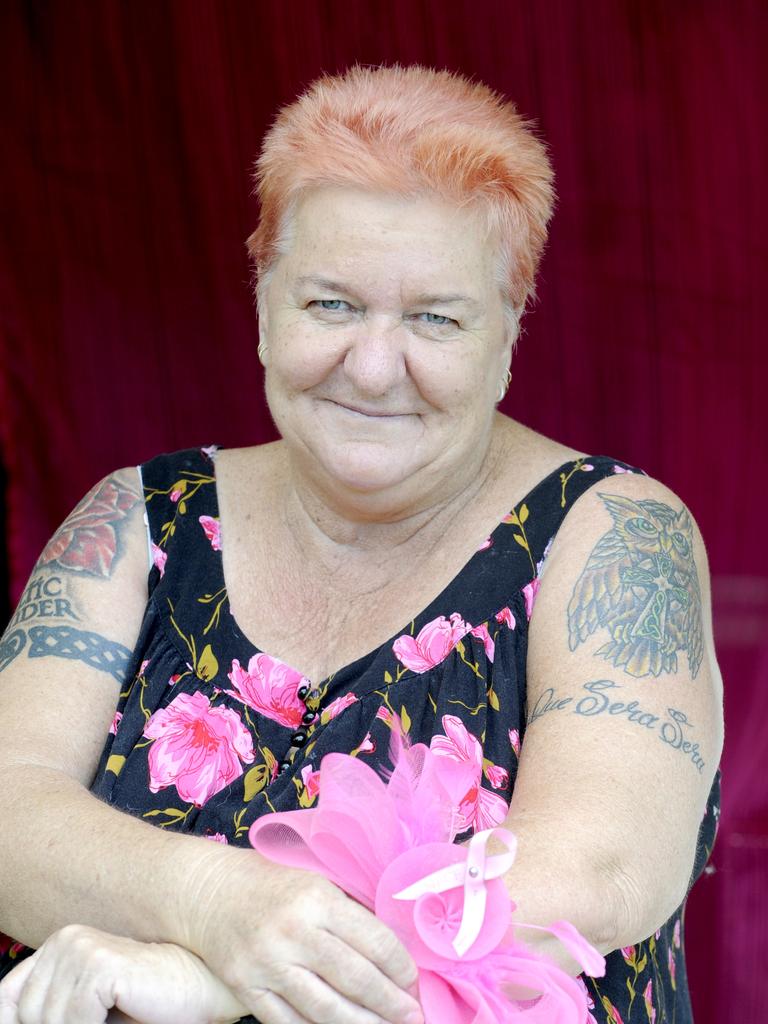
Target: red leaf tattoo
{"points": [[87, 540]]}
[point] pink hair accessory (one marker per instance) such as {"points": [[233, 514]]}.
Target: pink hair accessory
{"points": [[390, 845]]}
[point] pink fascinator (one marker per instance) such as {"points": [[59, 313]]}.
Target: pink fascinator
{"points": [[390, 845]]}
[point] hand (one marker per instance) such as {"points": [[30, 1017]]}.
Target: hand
{"points": [[79, 974], [294, 948]]}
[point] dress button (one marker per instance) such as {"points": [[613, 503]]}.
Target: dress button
{"points": [[299, 738], [284, 766], [302, 692], [308, 717]]}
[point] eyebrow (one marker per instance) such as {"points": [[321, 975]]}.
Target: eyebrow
{"points": [[419, 300]]}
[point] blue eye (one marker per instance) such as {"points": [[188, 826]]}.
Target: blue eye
{"points": [[331, 305], [438, 320]]}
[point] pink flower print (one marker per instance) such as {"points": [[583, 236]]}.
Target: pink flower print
{"points": [[311, 780], [270, 687], [115, 722], [479, 808], [587, 467], [176, 494], [218, 837], [657, 935], [143, 668], [198, 748], [497, 776], [481, 632], [620, 469], [210, 450], [174, 679], [676, 934], [530, 590], [159, 558], [650, 1009], [367, 746], [506, 616], [514, 739], [613, 1014], [433, 644], [487, 543], [671, 965], [337, 706], [628, 952], [212, 528], [385, 715]]}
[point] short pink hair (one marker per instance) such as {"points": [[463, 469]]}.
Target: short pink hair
{"points": [[410, 131]]}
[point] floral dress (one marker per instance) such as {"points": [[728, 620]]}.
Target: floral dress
{"points": [[210, 733]]}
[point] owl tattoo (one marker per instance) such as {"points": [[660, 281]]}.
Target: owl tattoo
{"points": [[641, 585]]}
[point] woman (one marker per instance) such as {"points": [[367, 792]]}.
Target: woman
{"points": [[389, 554]]}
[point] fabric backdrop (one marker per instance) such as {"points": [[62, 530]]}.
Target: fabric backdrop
{"points": [[127, 326]]}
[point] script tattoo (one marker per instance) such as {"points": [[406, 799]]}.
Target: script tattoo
{"points": [[641, 585], [43, 598], [79, 645], [87, 541], [597, 701]]}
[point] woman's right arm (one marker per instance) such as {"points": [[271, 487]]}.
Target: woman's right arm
{"points": [[278, 938]]}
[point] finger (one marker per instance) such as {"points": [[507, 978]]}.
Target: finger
{"points": [[31, 997], [270, 1008], [372, 939], [361, 981], [317, 1001], [13, 983]]}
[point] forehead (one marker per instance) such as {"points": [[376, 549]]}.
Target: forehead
{"points": [[424, 240]]}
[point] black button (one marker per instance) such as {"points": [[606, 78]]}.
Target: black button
{"points": [[308, 717], [299, 738], [284, 766], [302, 692]]}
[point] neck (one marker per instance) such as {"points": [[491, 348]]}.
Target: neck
{"points": [[332, 521]]}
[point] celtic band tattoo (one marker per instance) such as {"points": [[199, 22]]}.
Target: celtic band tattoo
{"points": [[11, 646], [79, 645], [641, 585]]}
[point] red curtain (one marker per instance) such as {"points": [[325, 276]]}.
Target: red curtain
{"points": [[127, 327]]}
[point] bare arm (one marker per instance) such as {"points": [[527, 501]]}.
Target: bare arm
{"points": [[624, 723], [279, 938]]}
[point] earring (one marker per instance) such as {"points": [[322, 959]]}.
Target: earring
{"points": [[261, 351], [504, 386]]}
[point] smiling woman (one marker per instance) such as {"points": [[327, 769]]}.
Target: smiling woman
{"points": [[405, 560]]}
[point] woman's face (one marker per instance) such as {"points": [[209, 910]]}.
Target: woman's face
{"points": [[386, 339]]}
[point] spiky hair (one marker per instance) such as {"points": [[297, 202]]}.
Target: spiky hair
{"points": [[410, 131]]}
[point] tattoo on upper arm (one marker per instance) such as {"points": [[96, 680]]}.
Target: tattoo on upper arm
{"points": [[79, 645], [598, 700], [11, 646], [641, 585], [87, 541]]}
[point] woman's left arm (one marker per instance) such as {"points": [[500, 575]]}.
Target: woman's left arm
{"points": [[624, 720], [87, 973]]}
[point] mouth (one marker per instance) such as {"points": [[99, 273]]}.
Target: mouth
{"points": [[369, 413]]}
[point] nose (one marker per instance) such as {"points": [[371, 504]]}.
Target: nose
{"points": [[375, 360]]}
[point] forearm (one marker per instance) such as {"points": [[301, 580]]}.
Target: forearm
{"points": [[69, 858]]}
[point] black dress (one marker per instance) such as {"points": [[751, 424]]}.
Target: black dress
{"points": [[210, 733]]}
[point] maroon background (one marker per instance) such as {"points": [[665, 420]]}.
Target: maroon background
{"points": [[127, 326]]}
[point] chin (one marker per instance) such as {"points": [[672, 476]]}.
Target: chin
{"points": [[367, 468]]}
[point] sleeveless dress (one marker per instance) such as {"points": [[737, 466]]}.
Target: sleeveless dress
{"points": [[210, 733]]}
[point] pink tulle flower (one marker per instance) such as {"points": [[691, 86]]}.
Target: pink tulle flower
{"points": [[530, 590], [481, 632], [159, 558], [270, 687], [212, 529], [432, 645], [391, 847], [506, 616], [198, 748]]}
